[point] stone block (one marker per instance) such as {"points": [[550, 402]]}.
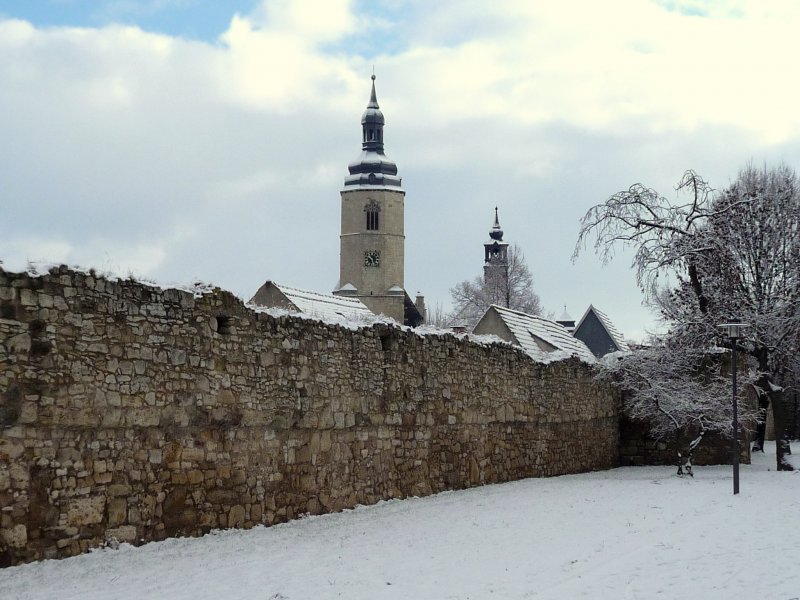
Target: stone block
{"points": [[236, 516], [124, 534], [86, 511], [45, 300], [222, 496], [11, 449], [20, 475], [112, 417], [20, 343], [256, 513], [194, 477], [119, 489], [193, 454], [339, 420], [27, 297], [117, 512], [16, 536], [177, 357]]}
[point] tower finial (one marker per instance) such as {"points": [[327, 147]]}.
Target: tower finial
{"points": [[373, 99], [496, 233]]}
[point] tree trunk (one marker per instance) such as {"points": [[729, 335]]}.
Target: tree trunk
{"points": [[685, 463], [762, 387], [761, 424], [780, 416]]}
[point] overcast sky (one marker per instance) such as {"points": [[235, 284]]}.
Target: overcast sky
{"points": [[181, 140]]}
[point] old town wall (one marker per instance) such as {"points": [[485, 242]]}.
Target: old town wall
{"points": [[133, 413]]}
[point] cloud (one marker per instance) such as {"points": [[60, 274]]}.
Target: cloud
{"points": [[178, 159], [599, 64]]}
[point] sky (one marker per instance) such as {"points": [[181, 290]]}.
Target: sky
{"points": [[178, 140]]}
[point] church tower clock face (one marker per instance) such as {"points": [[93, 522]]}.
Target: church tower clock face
{"points": [[372, 258], [372, 240]]}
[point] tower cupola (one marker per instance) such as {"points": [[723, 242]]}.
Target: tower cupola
{"points": [[496, 250], [372, 123], [373, 168]]}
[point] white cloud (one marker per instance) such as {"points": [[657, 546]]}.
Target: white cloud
{"points": [[599, 64], [316, 22]]}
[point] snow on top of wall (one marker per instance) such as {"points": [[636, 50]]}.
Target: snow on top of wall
{"points": [[39, 268], [354, 321]]}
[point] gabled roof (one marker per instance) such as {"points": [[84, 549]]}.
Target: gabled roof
{"points": [[316, 304], [538, 336], [612, 331]]}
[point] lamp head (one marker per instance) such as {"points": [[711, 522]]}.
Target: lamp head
{"points": [[734, 329]]}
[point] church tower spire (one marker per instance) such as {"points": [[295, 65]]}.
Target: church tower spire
{"points": [[373, 167], [372, 123], [496, 233]]}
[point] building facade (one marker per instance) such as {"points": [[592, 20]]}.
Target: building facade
{"points": [[597, 331]]}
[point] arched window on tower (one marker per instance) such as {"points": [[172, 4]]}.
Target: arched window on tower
{"points": [[372, 210]]}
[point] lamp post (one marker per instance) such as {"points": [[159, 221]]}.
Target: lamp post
{"points": [[734, 331]]}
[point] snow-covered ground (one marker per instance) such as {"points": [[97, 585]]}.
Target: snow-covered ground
{"points": [[621, 534]]}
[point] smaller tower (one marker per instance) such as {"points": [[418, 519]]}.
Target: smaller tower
{"points": [[495, 264], [566, 320]]}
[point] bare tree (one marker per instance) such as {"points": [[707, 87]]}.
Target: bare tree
{"points": [[512, 287], [722, 255], [437, 317]]}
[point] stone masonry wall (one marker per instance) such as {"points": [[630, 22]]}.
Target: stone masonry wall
{"points": [[131, 413], [638, 447]]}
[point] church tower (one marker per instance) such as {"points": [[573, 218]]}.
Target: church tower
{"points": [[372, 241], [495, 265]]}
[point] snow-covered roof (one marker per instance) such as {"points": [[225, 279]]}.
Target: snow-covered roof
{"points": [[565, 316], [612, 331], [320, 305], [531, 330]]}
